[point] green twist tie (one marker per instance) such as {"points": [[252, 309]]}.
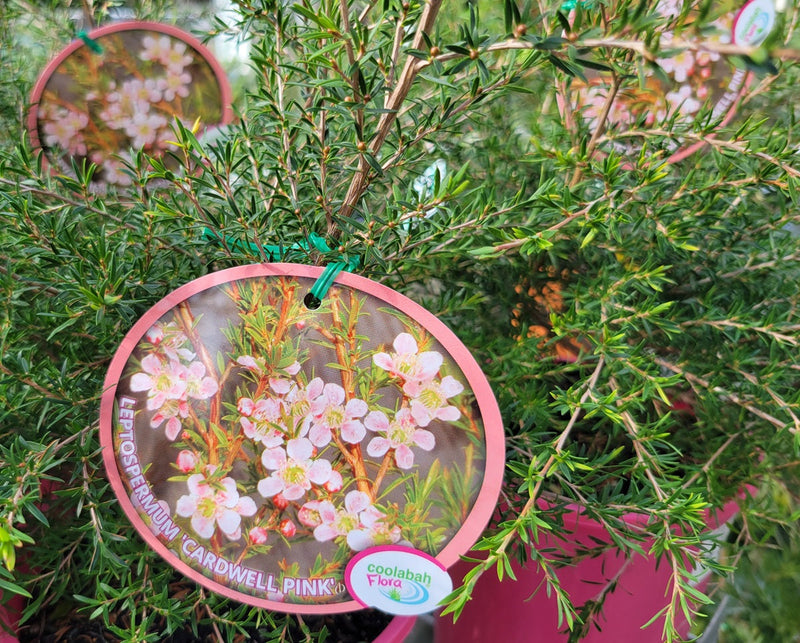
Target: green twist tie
{"points": [[314, 298], [569, 5], [321, 286], [91, 44]]}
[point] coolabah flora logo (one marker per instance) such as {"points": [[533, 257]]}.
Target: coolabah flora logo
{"points": [[754, 22], [397, 580]]}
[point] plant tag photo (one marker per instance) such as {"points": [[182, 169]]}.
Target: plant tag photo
{"points": [[259, 445], [119, 89], [690, 83], [398, 580]]}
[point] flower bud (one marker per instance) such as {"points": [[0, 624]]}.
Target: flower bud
{"points": [[186, 461], [257, 535], [288, 528]]}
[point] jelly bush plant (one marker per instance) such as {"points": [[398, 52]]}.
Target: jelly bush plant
{"points": [[635, 309]]}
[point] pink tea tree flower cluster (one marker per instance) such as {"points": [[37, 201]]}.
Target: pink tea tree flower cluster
{"points": [[172, 376], [270, 448], [127, 98]]}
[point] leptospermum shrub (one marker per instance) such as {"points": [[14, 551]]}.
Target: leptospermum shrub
{"points": [[637, 319]]}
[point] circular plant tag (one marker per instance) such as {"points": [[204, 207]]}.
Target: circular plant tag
{"points": [[684, 85], [119, 90], [258, 445], [397, 580]]}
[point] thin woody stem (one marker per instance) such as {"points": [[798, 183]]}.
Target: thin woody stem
{"points": [[534, 495], [601, 125], [353, 455], [342, 355], [391, 107], [385, 464], [186, 320]]}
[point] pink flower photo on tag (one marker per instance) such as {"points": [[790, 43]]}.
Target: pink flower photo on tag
{"points": [[120, 90], [288, 440]]}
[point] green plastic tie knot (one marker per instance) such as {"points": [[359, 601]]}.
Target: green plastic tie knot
{"points": [[91, 44]]}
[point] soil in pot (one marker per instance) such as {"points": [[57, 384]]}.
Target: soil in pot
{"points": [[60, 625]]}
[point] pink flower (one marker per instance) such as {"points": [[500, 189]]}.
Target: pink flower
{"points": [[259, 366], [683, 101], [161, 49], [374, 531], [143, 128], [214, 503], [186, 461], [400, 434], [198, 385], [62, 128], [123, 104], [114, 171], [681, 65], [335, 482], [298, 398], [170, 340], [172, 411], [429, 400], [259, 420], [309, 514], [176, 57], [359, 522], [407, 362], [162, 380], [175, 83], [330, 414], [257, 535], [294, 471], [251, 363], [340, 522], [142, 90], [154, 48]]}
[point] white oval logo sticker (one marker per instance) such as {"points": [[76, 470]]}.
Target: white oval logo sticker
{"points": [[397, 580], [754, 23]]}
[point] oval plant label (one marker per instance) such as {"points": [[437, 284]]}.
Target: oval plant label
{"points": [[754, 22], [397, 580], [258, 445], [121, 89]]}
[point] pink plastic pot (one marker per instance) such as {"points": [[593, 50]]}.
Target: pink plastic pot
{"points": [[506, 611], [397, 630], [9, 619]]}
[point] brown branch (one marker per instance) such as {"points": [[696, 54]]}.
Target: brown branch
{"points": [[699, 381], [391, 107]]}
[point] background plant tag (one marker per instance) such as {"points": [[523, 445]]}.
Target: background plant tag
{"points": [[398, 580], [120, 89], [258, 445], [689, 80]]}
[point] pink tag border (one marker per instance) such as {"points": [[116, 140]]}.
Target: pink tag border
{"points": [[485, 502]]}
